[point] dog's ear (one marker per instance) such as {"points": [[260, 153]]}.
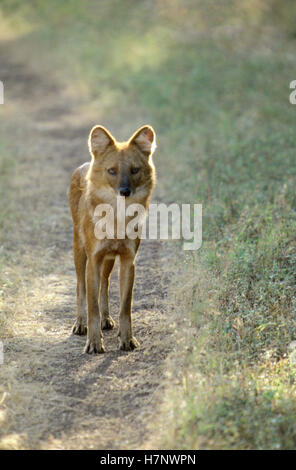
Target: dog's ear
{"points": [[98, 141], [144, 139]]}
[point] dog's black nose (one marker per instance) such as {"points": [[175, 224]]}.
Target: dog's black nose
{"points": [[125, 192]]}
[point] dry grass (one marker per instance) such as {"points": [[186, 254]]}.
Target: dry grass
{"points": [[52, 396]]}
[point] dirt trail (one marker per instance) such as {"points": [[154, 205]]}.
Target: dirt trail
{"points": [[53, 395]]}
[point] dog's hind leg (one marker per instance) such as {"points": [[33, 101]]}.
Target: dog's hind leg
{"points": [[79, 327], [106, 319]]}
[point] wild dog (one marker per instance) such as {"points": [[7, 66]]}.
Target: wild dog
{"points": [[116, 168]]}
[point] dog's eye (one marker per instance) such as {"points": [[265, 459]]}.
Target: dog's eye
{"points": [[134, 171], [111, 171]]}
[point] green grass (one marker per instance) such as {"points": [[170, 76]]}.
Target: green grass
{"points": [[214, 82], [7, 221]]}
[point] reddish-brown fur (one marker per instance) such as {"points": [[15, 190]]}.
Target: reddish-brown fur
{"points": [[115, 167]]}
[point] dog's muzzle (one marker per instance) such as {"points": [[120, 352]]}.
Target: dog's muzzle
{"points": [[125, 192]]}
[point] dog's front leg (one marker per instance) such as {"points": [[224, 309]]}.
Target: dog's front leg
{"points": [[94, 342], [127, 275]]}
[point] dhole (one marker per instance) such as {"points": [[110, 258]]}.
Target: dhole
{"points": [[116, 168]]}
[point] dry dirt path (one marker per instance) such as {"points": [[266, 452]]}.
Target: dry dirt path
{"points": [[53, 396]]}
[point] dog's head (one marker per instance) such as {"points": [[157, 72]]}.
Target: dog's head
{"points": [[126, 168]]}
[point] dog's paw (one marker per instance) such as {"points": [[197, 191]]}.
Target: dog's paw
{"points": [[128, 344], [108, 323], [79, 329], [94, 347]]}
